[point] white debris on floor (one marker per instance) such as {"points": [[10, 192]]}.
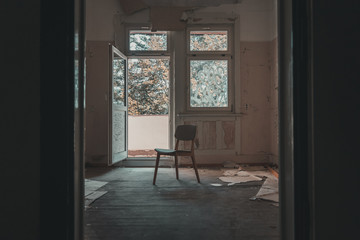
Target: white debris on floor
{"points": [[268, 191], [240, 177], [91, 191]]}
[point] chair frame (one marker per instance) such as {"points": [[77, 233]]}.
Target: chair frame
{"points": [[178, 153]]}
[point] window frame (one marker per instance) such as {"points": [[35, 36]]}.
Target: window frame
{"points": [[211, 55], [145, 27]]}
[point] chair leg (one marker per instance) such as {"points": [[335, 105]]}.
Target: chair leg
{"points": [[176, 167], [156, 167], [195, 168]]}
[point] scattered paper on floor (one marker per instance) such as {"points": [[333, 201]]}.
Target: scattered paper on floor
{"points": [[240, 177], [230, 172], [269, 190]]}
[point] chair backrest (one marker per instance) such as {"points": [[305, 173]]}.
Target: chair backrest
{"points": [[185, 132]]}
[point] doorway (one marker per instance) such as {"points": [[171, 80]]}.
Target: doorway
{"points": [[137, 60], [148, 103]]}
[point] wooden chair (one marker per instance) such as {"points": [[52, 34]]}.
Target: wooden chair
{"points": [[182, 133]]}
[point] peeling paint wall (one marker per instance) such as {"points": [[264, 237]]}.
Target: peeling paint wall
{"points": [[249, 134], [255, 99]]}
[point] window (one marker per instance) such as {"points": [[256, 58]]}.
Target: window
{"points": [[208, 40], [148, 86], [142, 41], [149, 71], [209, 68], [208, 83], [145, 40]]}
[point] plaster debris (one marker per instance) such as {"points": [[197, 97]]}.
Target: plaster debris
{"points": [[230, 172], [240, 179], [236, 176]]}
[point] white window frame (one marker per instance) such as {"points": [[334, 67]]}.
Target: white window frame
{"points": [[155, 54], [211, 55]]}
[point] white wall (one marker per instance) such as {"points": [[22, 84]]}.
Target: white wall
{"points": [[148, 132], [100, 16], [256, 18]]}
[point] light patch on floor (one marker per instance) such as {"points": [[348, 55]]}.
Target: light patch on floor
{"points": [[91, 191]]}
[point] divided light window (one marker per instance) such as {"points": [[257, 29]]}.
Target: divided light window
{"points": [[209, 69], [149, 71]]}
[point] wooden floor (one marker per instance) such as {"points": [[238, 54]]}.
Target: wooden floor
{"points": [[134, 209]]}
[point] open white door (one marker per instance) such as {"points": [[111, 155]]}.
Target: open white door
{"points": [[118, 106]]}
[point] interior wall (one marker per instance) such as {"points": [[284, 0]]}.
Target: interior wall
{"points": [[100, 18], [274, 103], [249, 135]]}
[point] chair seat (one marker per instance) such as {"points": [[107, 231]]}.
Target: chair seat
{"points": [[165, 151]]}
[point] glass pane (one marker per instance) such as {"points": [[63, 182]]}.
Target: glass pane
{"points": [[148, 86], [208, 41], [145, 40], [119, 80], [209, 83], [119, 137]]}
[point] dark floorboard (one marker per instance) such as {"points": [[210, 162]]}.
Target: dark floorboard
{"points": [[135, 209]]}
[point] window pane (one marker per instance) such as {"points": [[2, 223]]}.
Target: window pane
{"points": [[208, 41], [119, 131], [148, 86], [119, 80], [145, 40], [208, 83]]}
